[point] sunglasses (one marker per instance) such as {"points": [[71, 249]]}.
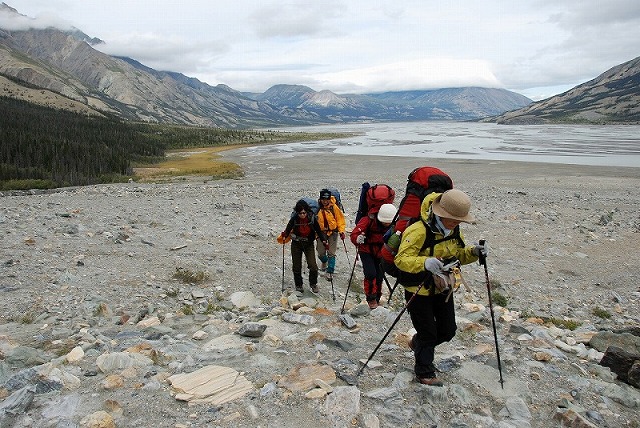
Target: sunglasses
{"points": [[302, 212]]}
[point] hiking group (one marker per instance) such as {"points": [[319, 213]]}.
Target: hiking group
{"points": [[419, 243]]}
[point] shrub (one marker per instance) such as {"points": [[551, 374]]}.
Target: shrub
{"points": [[601, 313], [189, 276]]}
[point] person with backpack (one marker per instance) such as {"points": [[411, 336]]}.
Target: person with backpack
{"points": [[332, 224], [368, 237], [426, 245], [303, 229]]}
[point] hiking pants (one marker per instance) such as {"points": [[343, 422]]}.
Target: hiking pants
{"points": [[372, 276], [328, 256], [435, 323], [298, 248]]}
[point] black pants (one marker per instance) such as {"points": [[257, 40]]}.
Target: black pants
{"points": [[435, 323], [372, 276], [298, 248]]}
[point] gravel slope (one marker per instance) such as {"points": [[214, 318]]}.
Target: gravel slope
{"points": [[563, 242]]}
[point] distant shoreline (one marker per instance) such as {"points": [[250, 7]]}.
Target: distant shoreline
{"points": [[330, 163]]}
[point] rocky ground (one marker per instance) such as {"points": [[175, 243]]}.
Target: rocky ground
{"points": [[96, 330]]}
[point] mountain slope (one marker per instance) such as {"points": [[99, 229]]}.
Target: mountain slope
{"points": [[612, 97], [65, 63]]}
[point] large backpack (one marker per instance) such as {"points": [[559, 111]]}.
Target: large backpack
{"points": [[313, 204], [372, 198], [421, 182]]}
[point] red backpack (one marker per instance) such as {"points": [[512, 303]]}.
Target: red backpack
{"points": [[421, 182], [372, 198]]}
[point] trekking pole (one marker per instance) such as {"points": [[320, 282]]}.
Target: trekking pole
{"points": [[389, 330], [346, 252], [283, 266], [386, 281], [333, 293], [346, 293], [391, 290], [483, 262]]}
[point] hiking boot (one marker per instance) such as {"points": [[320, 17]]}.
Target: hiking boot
{"points": [[430, 380], [299, 289], [328, 276], [315, 289], [372, 304]]}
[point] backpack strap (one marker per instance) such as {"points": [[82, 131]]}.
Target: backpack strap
{"points": [[431, 241]]}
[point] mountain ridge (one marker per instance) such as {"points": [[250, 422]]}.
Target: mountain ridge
{"points": [[66, 63], [611, 97]]}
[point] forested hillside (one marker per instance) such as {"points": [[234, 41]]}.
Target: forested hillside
{"points": [[53, 148], [41, 147]]}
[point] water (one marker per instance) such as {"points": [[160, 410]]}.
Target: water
{"points": [[612, 145]]}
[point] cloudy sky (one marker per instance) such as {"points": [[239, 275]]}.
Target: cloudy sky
{"points": [[534, 47]]}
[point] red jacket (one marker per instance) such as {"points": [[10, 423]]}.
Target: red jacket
{"points": [[374, 235]]}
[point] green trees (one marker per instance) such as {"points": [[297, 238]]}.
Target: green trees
{"points": [[64, 148], [42, 147]]}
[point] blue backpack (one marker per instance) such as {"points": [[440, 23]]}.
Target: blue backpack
{"points": [[313, 204]]}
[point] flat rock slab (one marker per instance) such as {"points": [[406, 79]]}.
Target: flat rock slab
{"points": [[303, 378], [210, 385]]}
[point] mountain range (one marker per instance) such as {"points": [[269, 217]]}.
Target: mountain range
{"points": [[62, 69]]}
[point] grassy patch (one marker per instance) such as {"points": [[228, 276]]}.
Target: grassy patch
{"points": [[201, 162], [26, 184], [190, 277], [601, 313], [27, 318], [499, 299], [563, 323], [187, 310]]}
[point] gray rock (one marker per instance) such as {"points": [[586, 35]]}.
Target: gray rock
{"points": [[18, 402], [517, 409], [298, 318], [252, 329], [26, 356], [348, 321], [626, 341], [342, 405]]}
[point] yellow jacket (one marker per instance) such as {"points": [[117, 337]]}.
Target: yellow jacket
{"points": [[331, 218], [411, 256]]}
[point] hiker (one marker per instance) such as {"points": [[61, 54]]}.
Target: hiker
{"points": [[303, 228], [432, 310], [368, 237], [332, 224]]}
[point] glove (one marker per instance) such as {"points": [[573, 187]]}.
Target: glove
{"points": [[480, 250], [433, 265], [342, 235], [283, 235], [360, 239]]}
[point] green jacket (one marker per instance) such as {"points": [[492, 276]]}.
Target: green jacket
{"points": [[411, 256]]}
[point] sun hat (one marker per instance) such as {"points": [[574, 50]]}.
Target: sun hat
{"points": [[453, 204], [325, 194], [387, 213]]}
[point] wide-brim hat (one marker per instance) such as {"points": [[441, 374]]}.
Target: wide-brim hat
{"points": [[453, 204]]}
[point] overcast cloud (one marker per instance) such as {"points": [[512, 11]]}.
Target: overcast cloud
{"points": [[535, 47]]}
